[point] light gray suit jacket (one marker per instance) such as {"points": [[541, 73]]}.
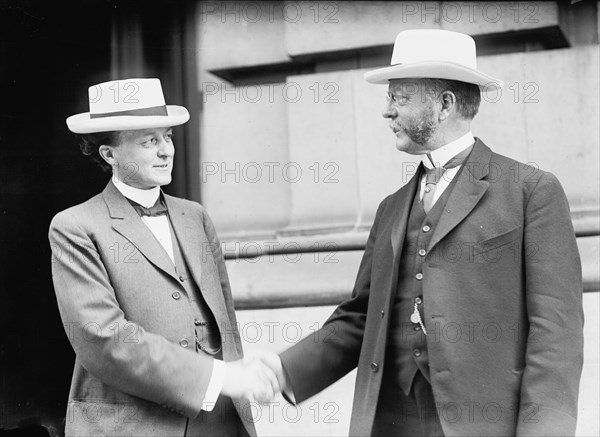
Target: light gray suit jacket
{"points": [[129, 319]]}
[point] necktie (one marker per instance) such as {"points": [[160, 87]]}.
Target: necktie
{"points": [[433, 176], [159, 208]]}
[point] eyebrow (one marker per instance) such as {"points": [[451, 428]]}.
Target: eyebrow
{"points": [[400, 93], [152, 132]]}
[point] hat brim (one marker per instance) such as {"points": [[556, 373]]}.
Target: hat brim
{"points": [[84, 124], [435, 70]]}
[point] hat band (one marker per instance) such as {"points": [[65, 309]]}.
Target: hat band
{"points": [[155, 110]]}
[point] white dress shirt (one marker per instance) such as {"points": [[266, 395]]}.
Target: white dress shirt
{"points": [[439, 157], [159, 226]]}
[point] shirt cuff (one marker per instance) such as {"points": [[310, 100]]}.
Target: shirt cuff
{"points": [[217, 378]]}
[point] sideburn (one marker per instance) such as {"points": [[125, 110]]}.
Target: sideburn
{"points": [[423, 128]]}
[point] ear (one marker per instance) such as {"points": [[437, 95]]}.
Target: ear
{"points": [[108, 154], [448, 102]]}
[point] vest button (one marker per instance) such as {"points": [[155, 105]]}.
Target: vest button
{"points": [[181, 278], [426, 228], [419, 276], [176, 295], [417, 352], [422, 252], [183, 342], [199, 322], [374, 367], [417, 327], [418, 300], [382, 313]]}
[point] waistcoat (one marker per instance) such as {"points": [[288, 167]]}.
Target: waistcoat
{"points": [[406, 351], [208, 338]]}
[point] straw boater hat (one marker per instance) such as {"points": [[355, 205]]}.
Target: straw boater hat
{"points": [[127, 105], [434, 53]]}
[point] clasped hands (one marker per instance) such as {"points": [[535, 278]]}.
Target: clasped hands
{"points": [[257, 377]]}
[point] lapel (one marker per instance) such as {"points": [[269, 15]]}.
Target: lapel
{"points": [[190, 240], [468, 191], [401, 210], [195, 248], [129, 224]]}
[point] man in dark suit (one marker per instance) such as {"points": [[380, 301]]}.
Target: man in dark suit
{"points": [[466, 317], [142, 287]]}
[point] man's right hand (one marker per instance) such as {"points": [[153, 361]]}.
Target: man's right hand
{"points": [[273, 361], [250, 378]]}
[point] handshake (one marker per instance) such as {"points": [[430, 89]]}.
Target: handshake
{"points": [[257, 377]]}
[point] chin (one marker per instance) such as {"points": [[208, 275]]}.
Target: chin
{"points": [[402, 145], [164, 181], [161, 180], [409, 147]]}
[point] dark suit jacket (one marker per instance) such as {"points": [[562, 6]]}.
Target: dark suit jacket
{"points": [[114, 284], [502, 291]]}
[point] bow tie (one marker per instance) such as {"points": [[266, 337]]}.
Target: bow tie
{"points": [[158, 209]]}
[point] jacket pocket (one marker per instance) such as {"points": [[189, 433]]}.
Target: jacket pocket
{"points": [[101, 417], [498, 241]]}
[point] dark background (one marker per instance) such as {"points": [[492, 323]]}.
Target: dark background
{"points": [[50, 53]]}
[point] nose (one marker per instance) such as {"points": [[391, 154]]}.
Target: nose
{"points": [[389, 111], [166, 148]]}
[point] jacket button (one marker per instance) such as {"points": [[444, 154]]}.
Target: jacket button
{"points": [[422, 252], [382, 313], [176, 295], [181, 278], [199, 322], [417, 352], [426, 228], [183, 342], [419, 276], [374, 367], [418, 300]]}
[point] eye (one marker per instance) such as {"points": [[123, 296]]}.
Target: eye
{"points": [[397, 99], [149, 142], [169, 137]]}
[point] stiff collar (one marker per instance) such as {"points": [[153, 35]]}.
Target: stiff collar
{"points": [[442, 155], [146, 198]]}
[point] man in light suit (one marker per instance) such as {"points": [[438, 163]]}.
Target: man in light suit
{"points": [[466, 317], [142, 287]]}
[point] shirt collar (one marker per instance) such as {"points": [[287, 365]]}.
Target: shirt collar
{"points": [[146, 198], [443, 154]]}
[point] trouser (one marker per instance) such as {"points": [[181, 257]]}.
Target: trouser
{"points": [[414, 415]]}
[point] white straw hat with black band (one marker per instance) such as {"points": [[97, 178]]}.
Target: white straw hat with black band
{"points": [[127, 104]]}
